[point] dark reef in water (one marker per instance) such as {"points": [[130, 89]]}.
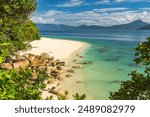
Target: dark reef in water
{"points": [[103, 49], [119, 69], [112, 58], [123, 53], [114, 82], [134, 65]]}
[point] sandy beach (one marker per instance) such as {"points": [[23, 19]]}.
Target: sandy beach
{"points": [[60, 49], [64, 50]]}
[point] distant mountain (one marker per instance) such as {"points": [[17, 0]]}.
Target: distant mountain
{"points": [[131, 26], [147, 27], [138, 24], [53, 27]]}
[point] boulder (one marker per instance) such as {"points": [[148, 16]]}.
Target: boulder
{"points": [[70, 71], [51, 58], [81, 56], [60, 63], [68, 75], [50, 82], [29, 57], [59, 68], [49, 68], [74, 60], [12, 58], [77, 66], [6, 66], [55, 73], [60, 78], [44, 55]]}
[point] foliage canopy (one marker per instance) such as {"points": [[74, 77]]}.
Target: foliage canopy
{"points": [[138, 88]]}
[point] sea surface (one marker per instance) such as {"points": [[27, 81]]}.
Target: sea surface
{"points": [[112, 56]]}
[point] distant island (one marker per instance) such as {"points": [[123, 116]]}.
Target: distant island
{"points": [[135, 25], [147, 27]]}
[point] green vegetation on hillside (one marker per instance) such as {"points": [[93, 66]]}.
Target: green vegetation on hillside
{"points": [[16, 31], [15, 25], [138, 88]]}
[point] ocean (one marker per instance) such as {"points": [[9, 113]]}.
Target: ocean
{"points": [[112, 54]]}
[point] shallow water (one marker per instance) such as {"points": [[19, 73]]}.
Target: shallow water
{"points": [[111, 55], [112, 63]]}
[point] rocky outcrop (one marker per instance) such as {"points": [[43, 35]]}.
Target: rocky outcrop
{"points": [[42, 62]]}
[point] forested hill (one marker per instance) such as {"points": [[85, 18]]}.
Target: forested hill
{"points": [[15, 25], [147, 27], [130, 26]]}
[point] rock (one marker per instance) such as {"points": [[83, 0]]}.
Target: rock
{"points": [[85, 63], [29, 57], [43, 68], [70, 71], [37, 57], [77, 66], [13, 58], [74, 60], [21, 64], [50, 82], [58, 84], [60, 63], [52, 90], [78, 81], [59, 68], [60, 79], [49, 68], [44, 55], [55, 73], [77, 55], [52, 64], [68, 75], [6, 66], [81, 56], [57, 61], [51, 58], [21, 58]]}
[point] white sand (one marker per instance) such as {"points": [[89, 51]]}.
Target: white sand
{"points": [[60, 49]]}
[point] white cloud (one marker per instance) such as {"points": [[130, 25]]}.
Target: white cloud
{"points": [[72, 3], [110, 9], [52, 12], [145, 9], [102, 2], [41, 20], [92, 17], [118, 1]]}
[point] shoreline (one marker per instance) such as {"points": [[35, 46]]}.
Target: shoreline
{"points": [[64, 50], [74, 84]]}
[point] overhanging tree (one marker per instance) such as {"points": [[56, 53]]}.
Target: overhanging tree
{"points": [[138, 88]]}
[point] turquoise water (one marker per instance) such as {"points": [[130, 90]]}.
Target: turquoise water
{"points": [[112, 63], [112, 59]]}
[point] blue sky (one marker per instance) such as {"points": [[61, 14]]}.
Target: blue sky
{"points": [[91, 12]]}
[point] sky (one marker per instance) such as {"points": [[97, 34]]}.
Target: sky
{"points": [[91, 12]]}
